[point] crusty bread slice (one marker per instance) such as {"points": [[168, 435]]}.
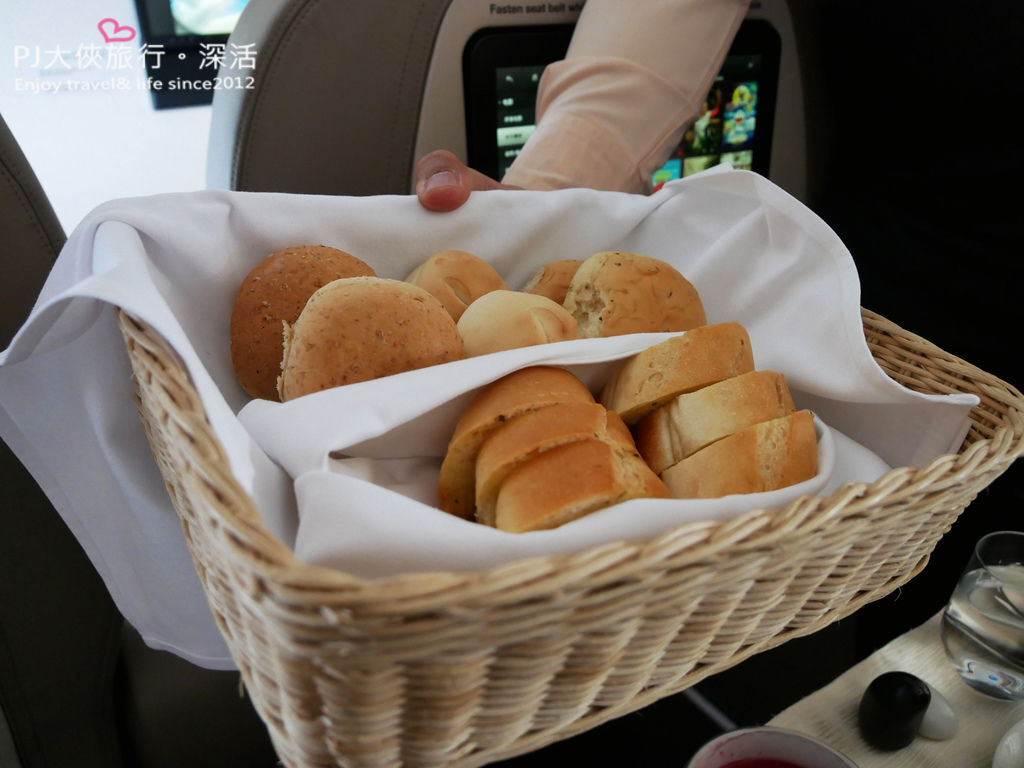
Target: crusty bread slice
{"points": [[519, 392], [570, 481], [692, 420], [530, 434], [699, 357], [764, 457]]}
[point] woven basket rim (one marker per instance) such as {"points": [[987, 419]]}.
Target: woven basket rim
{"points": [[692, 541]]}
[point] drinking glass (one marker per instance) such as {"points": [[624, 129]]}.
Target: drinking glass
{"points": [[983, 624]]}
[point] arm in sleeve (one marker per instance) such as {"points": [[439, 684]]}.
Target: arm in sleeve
{"points": [[635, 75]]}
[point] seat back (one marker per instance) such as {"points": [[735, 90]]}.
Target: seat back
{"points": [[77, 685], [335, 99], [346, 96], [32, 235], [58, 626]]}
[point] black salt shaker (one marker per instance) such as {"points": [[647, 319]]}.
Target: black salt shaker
{"points": [[892, 709]]}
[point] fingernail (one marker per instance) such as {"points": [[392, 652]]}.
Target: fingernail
{"points": [[442, 179]]}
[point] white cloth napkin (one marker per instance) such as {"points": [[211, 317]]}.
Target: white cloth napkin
{"points": [[348, 472], [830, 714]]}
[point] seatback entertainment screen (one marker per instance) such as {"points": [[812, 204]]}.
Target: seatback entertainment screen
{"points": [[502, 69]]}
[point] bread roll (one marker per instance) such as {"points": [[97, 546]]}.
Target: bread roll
{"points": [[552, 280], [697, 358], [530, 434], [274, 292], [570, 481], [362, 328], [456, 279], [614, 293], [505, 319], [519, 392], [690, 421], [763, 457]]}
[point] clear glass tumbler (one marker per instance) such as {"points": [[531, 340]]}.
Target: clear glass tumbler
{"points": [[983, 624]]}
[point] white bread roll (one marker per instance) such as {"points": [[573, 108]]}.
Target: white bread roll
{"points": [[519, 392], [570, 481], [690, 421], [530, 434], [614, 293], [699, 357], [361, 328], [553, 279], [456, 279], [273, 293], [763, 457], [505, 319]]}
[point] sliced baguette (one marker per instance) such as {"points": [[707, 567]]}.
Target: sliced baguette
{"points": [[519, 392], [763, 457], [699, 357], [530, 434], [570, 481], [692, 420]]}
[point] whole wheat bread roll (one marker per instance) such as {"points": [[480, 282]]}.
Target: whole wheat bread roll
{"points": [[519, 392], [764, 457], [690, 421], [456, 279], [361, 328], [273, 293], [504, 319], [697, 358], [614, 293], [552, 279], [530, 434], [570, 481]]}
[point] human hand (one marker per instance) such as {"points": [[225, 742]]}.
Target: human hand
{"points": [[443, 182]]}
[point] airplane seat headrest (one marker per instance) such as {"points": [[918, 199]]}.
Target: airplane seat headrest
{"points": [[335, 98]]}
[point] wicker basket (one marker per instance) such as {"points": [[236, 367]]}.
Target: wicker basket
{"points": [[464, 669]]}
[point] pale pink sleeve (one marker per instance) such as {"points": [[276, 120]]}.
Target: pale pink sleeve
{"points": [[635, 75]]}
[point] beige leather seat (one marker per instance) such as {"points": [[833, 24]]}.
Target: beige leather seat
{"points": [[336, 101]]}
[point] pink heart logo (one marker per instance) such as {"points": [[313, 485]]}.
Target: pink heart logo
{"points": [[115, 33]]}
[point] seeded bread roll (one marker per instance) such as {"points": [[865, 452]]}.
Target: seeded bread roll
{"points": [[690, 421], [570, 481], [553, 279], [362, 328], [614, 293], [274, 293], [522, 391], [681, 364], [504, 319], [764, 457], [456, 279], [530, 434]]}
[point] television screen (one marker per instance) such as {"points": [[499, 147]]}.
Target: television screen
{"points": [[502, 68]]}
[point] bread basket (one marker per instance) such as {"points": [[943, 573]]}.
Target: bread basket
{"points": [[464, 669]]}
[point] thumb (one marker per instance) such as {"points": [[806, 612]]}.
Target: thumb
{"points": [[443, 182]]}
